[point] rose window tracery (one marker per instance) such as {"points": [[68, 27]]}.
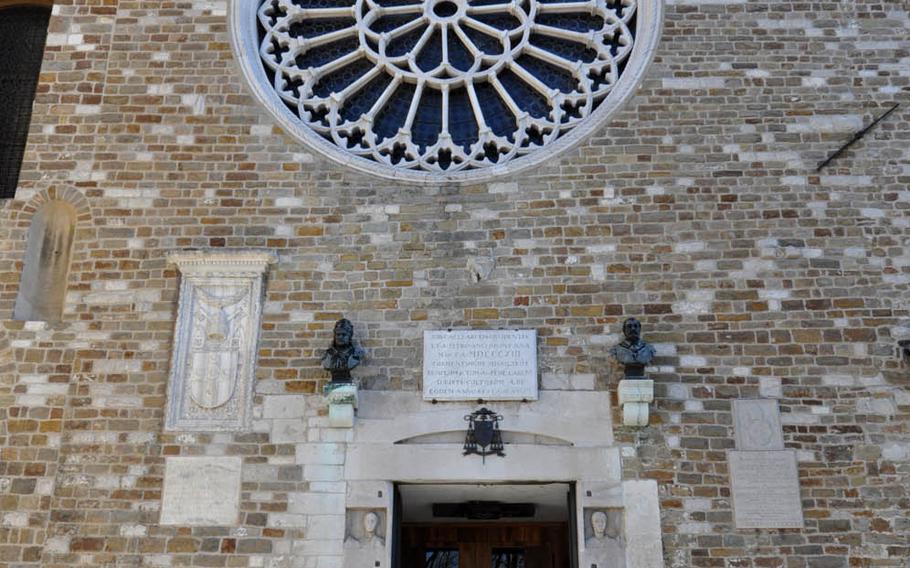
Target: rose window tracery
{"points": [[443, 85], [443, 90]]}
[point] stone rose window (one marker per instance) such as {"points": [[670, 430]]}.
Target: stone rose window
{"points": [[444, 89]]}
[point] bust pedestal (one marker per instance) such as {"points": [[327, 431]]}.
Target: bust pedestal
{"points": [[342, 399], [634, 396]]}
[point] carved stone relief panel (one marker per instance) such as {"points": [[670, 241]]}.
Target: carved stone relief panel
{"points": [[214, 353], [365, 538], [757, 425], [604, 546]]}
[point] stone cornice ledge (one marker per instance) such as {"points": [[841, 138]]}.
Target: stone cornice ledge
{"points": [[208, 260]]}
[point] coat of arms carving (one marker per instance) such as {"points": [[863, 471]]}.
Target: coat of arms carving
{"points": [[215, 339]]}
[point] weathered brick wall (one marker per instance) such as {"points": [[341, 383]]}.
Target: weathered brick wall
{"points": [[697, 210]]}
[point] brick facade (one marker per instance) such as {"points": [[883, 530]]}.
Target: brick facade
{"points": [[698, 210]]}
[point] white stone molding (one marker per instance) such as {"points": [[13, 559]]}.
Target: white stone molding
{"points": [[635, 395], [343, 401], [346, 81], [210, 386]]}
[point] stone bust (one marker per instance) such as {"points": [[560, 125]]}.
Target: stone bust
{"points": [[633, 350], [343, 355]]}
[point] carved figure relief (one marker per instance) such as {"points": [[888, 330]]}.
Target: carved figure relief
{"points": [[215, 339], [604, 545], [368, 535], [364, 543], [600, 527]]}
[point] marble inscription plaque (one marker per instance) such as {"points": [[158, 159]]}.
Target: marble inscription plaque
{"points": [[765, 488], [201, 491], [473, 364], [757, 425]]}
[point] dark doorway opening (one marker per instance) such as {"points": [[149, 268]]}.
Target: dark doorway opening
{"points": [[484, 526]]}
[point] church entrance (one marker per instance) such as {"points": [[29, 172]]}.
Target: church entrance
{"points": [[485, 526]]}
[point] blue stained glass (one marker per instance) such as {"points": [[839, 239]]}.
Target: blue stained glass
{"points": [[485, 43], [318, 26], [495, 112], [524, 95], [499, 21], [568, 50], [361, 102], [428, 119], [573, 22], [462, 123], [404, 43], [322, 54], [394, 113], [431, 54], [323, 3], [336, 81], [552, 76], [459, 56], [388, 3], [390, 22]]}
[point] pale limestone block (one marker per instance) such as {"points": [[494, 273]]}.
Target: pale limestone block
{"points": [[644, 548], [327, 486], [341, 415], [288, 431], [323, 472], [201, 491], [770, 387], [57, 544], [14, 520], [316, 503], [318, 547], [133, 530], [692, 361], [326, 454], [284, 406], [325, 526], [369, 494], [287, 520]]}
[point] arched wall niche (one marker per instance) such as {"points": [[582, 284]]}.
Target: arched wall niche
{"points": [[49, 223]]}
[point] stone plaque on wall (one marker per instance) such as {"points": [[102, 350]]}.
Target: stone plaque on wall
{"points": [[480, 364], [757, 425], [765, 487], [201, 491], [214, 353]]}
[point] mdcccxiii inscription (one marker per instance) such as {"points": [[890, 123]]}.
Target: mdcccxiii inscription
{"points": [[480, 364]]}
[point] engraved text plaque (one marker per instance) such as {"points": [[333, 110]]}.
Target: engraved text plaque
{"points": [[480, 364]]}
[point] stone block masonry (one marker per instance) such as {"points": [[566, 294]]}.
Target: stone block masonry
{"points": [[697, 210]]}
